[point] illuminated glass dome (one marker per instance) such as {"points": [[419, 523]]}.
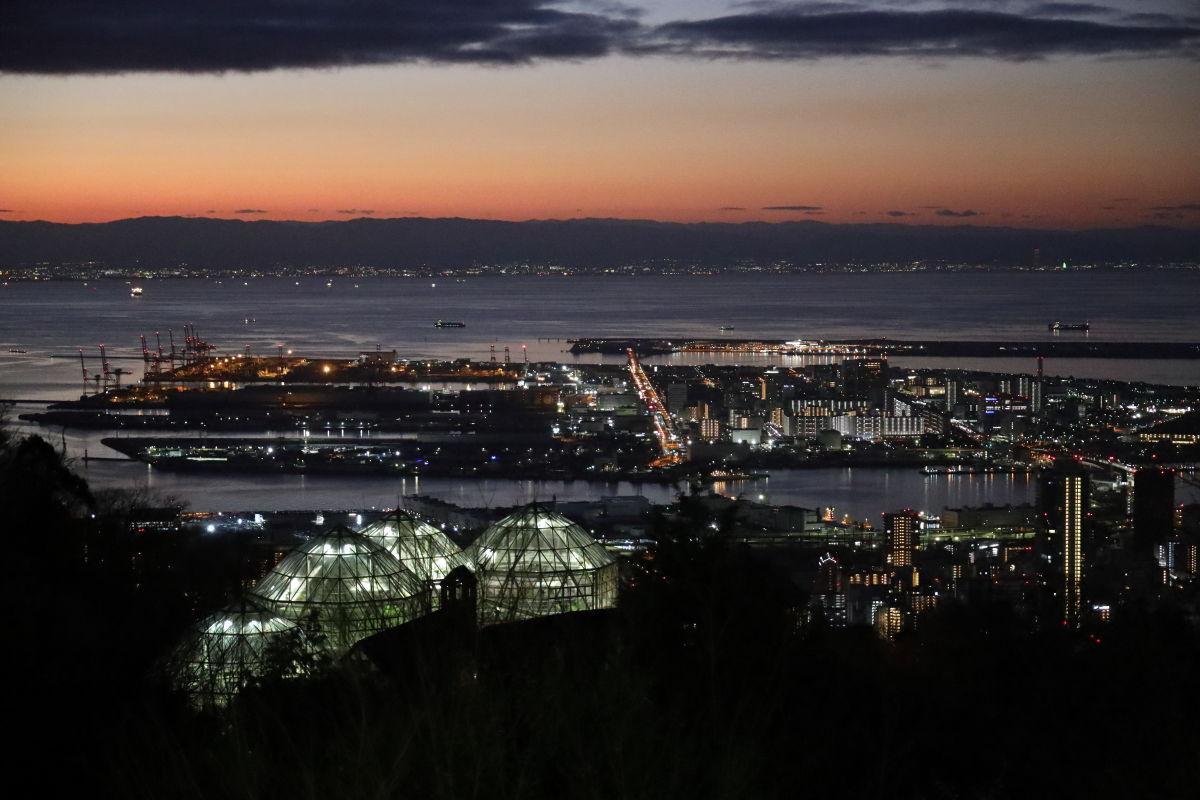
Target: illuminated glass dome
{"points": [[421, 548], [226, 651], [536, 562], [343, 586]]}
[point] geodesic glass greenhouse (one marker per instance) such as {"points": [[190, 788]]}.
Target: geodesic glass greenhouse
{"points": [[343, 586], [227, 651], [535, 563], [421, 548]]}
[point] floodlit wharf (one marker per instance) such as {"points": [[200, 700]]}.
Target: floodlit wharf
{"points": [[233, 648], [420, 548], [536, 562], [344, 587]]}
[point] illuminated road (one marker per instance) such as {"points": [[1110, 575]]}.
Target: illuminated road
{"points": [[669, 441]]}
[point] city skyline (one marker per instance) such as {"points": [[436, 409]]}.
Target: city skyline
{"points": [[1016, 114]]}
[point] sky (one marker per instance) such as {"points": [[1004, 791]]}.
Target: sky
{"points": [[1013, 113]]}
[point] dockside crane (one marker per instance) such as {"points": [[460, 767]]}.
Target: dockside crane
{"points": [[83, 366], [104, 370]]}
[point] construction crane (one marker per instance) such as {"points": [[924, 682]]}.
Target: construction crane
{"points": [[153, 360], [83, 366], [104, 370], [195, 349]]}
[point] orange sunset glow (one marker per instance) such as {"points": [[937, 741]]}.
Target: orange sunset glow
{"points": [[677, 141], [1065, 141]]}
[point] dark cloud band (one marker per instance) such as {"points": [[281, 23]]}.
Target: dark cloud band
{"points": [[105, 36], [110, 36], [935, 34]]}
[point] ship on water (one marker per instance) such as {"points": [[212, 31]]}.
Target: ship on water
{"points": [[135, 291], [442, 323], [1057, 326]]}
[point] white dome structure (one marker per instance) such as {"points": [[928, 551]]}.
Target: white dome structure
{"points": [[535, 562], [419, 547], [227, 651], [343, 586]]}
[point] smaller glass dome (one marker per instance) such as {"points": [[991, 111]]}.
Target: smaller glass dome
{"points": [[343, 586], [536, 562], [421, 548], [235, 647]]}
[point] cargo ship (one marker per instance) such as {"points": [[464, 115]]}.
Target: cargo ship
{"points": [[1057, 326], [441, 323]]}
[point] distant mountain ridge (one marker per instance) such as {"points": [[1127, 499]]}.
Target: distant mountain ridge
{"points": [[456, 242]]}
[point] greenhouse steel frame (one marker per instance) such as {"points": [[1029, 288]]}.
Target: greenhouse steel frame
{"points": [[343, 586], [536, 562], [228, 650], [421, 548]]}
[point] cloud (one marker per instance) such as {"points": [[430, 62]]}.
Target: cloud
{"points": [[949, 212], [1180, 207], [732, 208], [1070, 10], [352, 211], [251, 211], [805, 209], [7, 211], [946, 33], [898, 213], [1145, 18], [69, 36], [115, 36]]}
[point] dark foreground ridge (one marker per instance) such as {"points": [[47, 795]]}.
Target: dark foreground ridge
{"points": [[581, 243]]}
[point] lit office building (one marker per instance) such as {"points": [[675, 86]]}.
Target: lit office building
{"points": [[891, 620], [829, 592], [1065, 495], [951, 395], [901, 529]]}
